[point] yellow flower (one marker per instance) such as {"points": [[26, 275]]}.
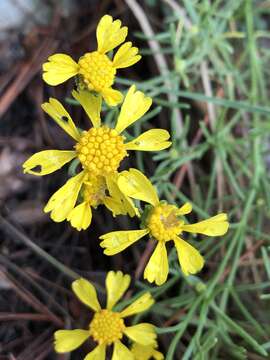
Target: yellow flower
{"points": [[107, 326], [95, 70], [146, 352], [100, 151], [163, 222], [93, 189]]}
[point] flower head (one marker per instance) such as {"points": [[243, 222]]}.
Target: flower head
{"points": [[95, 71], [94, 191], [108, 326], [100, 151], [163, 222], [146, 352]]}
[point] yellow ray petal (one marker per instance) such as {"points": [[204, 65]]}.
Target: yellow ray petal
{"points": [[110, 34], [47, 161], [135, 105], [151, 140], [119, 208], [135, 184], [86, 292], [112, 97], [126, 56], [121, 352], [116, 285], [157, 268], [56, 110], [99, 353], [68, 340], [146, 352], [59, 68], [91, 104], [117, 241], [64, 199], [190, 259], [157, 355], [215, 226], [80, 217], [113, 205], [143, 333], [118, 203], [185, 209], [142, 304]]}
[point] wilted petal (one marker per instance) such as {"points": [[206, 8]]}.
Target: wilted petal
{"points": [[135, 184]]}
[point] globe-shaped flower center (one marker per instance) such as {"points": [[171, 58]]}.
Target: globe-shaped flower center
{"points": [[101, 150], [107, 327], [97, 71], [164, 223]]}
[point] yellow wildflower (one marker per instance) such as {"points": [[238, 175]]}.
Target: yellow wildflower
{"points": [[107, 326], [163, 222], [146, 352], [95, 70], [100, 151], [93, 189]]}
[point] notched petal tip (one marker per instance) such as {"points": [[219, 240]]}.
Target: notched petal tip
{"points": [[68, 340], [116, 284], [80, 217], [58, 69], [91, 104], [215, 226], [135, 105], [110, 34], [150, 140], [117, 241], [143, 333], [135, 184], [59, 114], [141, 304], [86, 293], [126, 56], [47, 161], [157, 268], [190, 260], [112, 97]]}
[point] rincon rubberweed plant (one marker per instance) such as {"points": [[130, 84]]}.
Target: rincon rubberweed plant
{"points": [[100, 151], [95, 71], [108, 326], [162, 222]]}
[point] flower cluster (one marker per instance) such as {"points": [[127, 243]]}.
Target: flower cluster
{"points": [[98, 179]]}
